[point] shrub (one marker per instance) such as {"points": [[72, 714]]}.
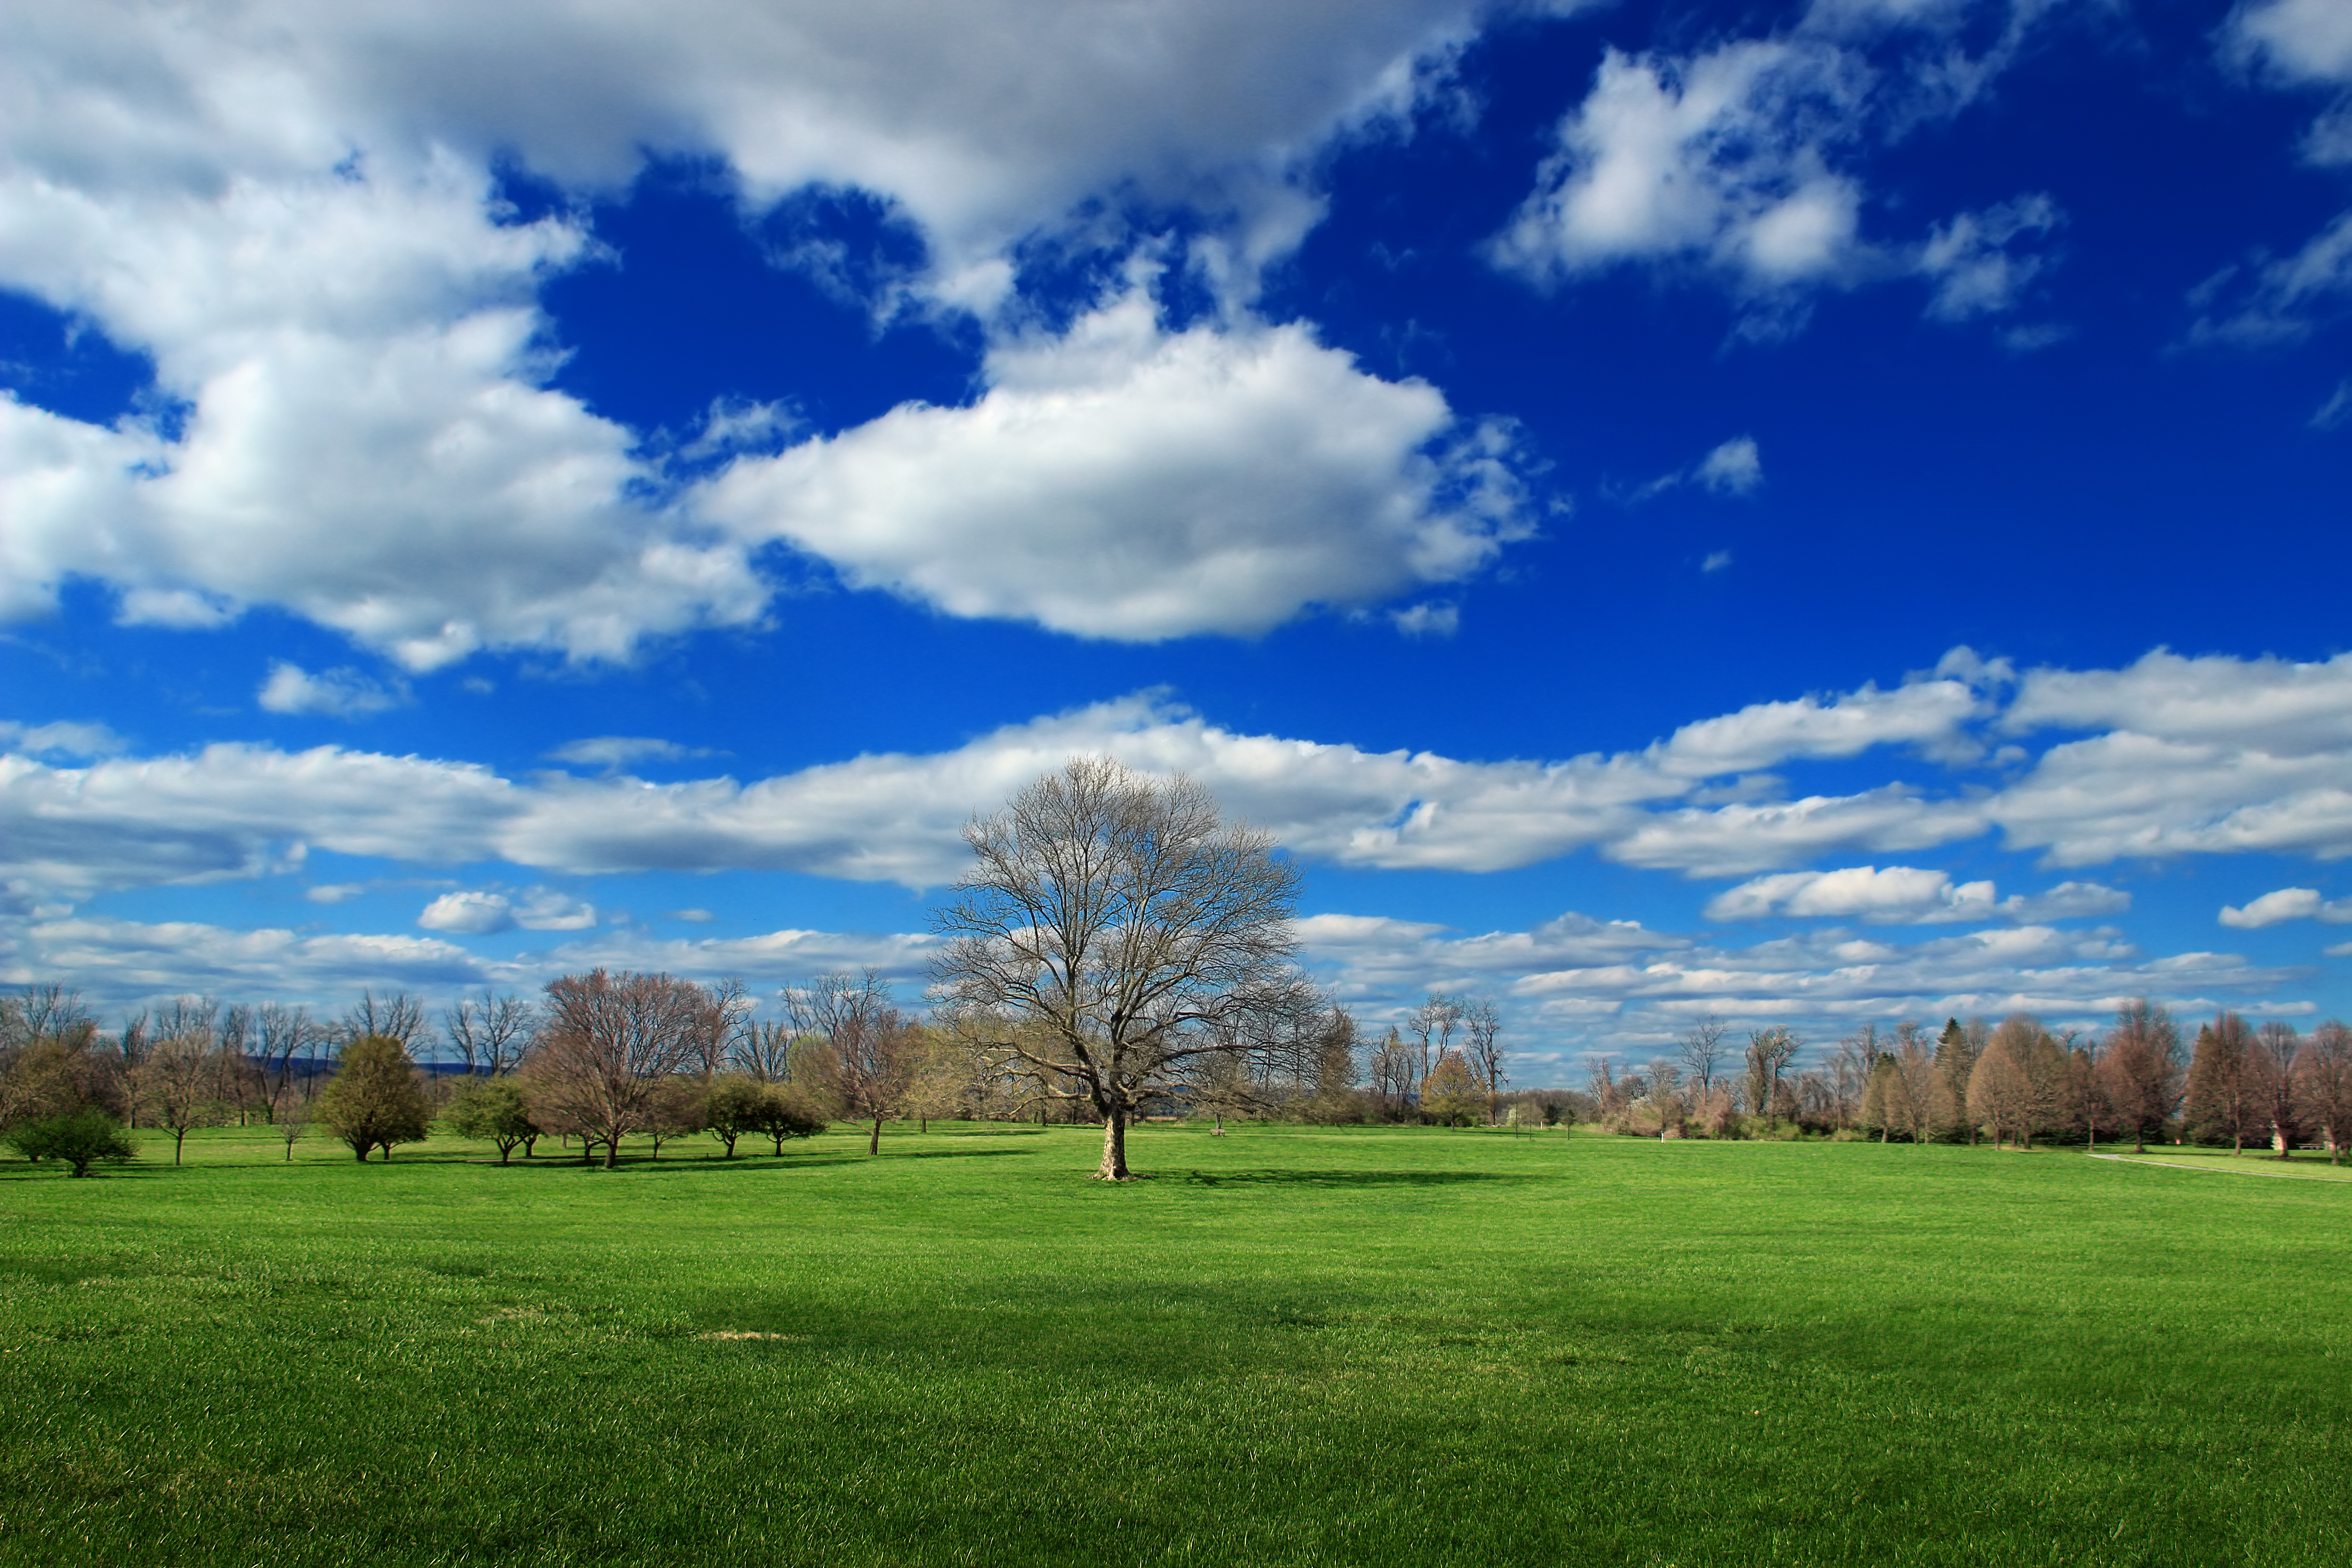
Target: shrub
{"points": [[78, 1138]]}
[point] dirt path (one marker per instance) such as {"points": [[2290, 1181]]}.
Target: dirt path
{"points": [[2221, 1170]]}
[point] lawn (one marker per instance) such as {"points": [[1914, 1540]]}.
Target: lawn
{"points": [[1292, 1345]]}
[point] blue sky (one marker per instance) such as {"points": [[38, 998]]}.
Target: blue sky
{"points": [[1814, 514]]}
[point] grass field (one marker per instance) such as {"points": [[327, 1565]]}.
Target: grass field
{"points": [[1293, 1345]]}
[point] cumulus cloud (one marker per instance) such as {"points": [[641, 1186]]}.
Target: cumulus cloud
{"points": [[291, 210], [60, 738], [1905, 895], [2190, 757], [2305, 40], [1124, 482], [469, 914], [339, 693], [1741, 160], [2287, 904]]}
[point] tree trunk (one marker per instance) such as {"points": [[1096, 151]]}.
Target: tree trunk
{"points": [[874, 1143], [177, 1139], [362, 1153], [613, 1153], [1114, 1159]]}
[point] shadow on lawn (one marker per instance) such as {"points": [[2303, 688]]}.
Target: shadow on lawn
{"points": [[1349, 1178]]}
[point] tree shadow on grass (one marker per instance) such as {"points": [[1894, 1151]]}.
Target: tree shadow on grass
{"points": [[1349, 1178]]}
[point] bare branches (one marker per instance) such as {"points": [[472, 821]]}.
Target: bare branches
{"points": [[490, 1032], [1111, 929]]}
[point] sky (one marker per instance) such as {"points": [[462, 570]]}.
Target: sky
{"points": [[1809, 514]]}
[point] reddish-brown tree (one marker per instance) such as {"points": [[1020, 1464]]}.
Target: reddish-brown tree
{"points": [[2322, 1085], [2228, 1091], [2142, 1070], [605, 1046]]}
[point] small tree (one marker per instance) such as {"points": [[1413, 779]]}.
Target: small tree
{"points": [[673, 1110], [783, 1113], [78, 1138], [732, 1106], [1453, 1097], [176, 1086], [492, 1109], [290, 1114], [375, 1101]]}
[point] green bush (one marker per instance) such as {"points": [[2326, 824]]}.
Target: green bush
{"points": [[79, 1138]]}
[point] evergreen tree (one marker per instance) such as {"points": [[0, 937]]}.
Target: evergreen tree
{"points": [[1956, 1062]]}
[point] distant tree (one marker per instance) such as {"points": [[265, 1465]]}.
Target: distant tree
{"points": [[79, 1139], [2087, 1093], [1881, 1111], [732, 1105], [1957, 1049], [1391, 1074], [1335, 1099], [2041, 1061], [375, 1101], [290, 1115], [2277, 1045], [1481, 1047], [1113, 928], [494, 1109], [1219, 1085], [674, 1110], [2228, 1097], [2322, 1085], [490, 1032], [725, 1015], [280, 1033], [1701, 1052], [1600, 1080], [177, 1086], [606, 1042], [1453, 1097], [1849, 1073], [1917, 1067], [399, 1017], [2000, 1095], [783, 1113], [1769, 1052], [875, 1054], [1430, 1030], [762, 1051], [2141, 1068]]}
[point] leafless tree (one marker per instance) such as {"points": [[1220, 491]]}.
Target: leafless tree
{"points": [[2323, 1083], [1701, 1052], [1430, 1027], [762, 1051], [1849, 1073], [2227, 1095], [1112, 929], [2142, 1069], [607, 1043], [876, 1053], [1769, 1052], [1999, 1092], [177, 1086], [399, 1016], [1482, 1047], [279, 1031], [2278, 1045], [1391, 1068], [490, 1032]]}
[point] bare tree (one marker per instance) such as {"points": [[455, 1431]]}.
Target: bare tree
{"points": [[1769, 1052], [1482, 1047], [399, 1016], [1701, 1052], [1849, 1073], [2227, 1094], [491, 1031], [1999, 1091], [1431, 1027], [2323, 1083], [607, 1043], [762, 1051], [876, 1052], [278, 1032], [177, 1086], [1113, 929], [2278, 1045], [2141, 1066], [1390, 1066]]}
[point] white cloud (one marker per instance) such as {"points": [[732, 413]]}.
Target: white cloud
{"points": [[1905, 895], [1740, 160], [1717, 561], [1723, 156], [1735, 468], [61, 739], [469, 914], [2307, 40], [614, 752], [334, 892], [1577, 983], [290, 210], [341, 693], [2282, 299], [1129, 483], [1975, 261], [2287, 904]]}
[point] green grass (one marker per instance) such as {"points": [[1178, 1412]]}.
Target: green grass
{"points": [[1291, 1346]]}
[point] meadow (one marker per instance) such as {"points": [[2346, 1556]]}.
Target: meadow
{"points": [[1290, 1345]]}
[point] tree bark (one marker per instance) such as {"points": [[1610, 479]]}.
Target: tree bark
{"points": [[874, 1143], [1114, 1156]]}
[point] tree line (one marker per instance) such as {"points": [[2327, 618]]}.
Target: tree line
{"points": [[2012, 1082]]}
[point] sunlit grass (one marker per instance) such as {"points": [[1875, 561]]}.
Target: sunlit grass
{"points": [[1291, 1345]]}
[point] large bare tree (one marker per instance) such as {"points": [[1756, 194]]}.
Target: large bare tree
{"points": [[489, 1032], [606, 1046], [1112, 929]]}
